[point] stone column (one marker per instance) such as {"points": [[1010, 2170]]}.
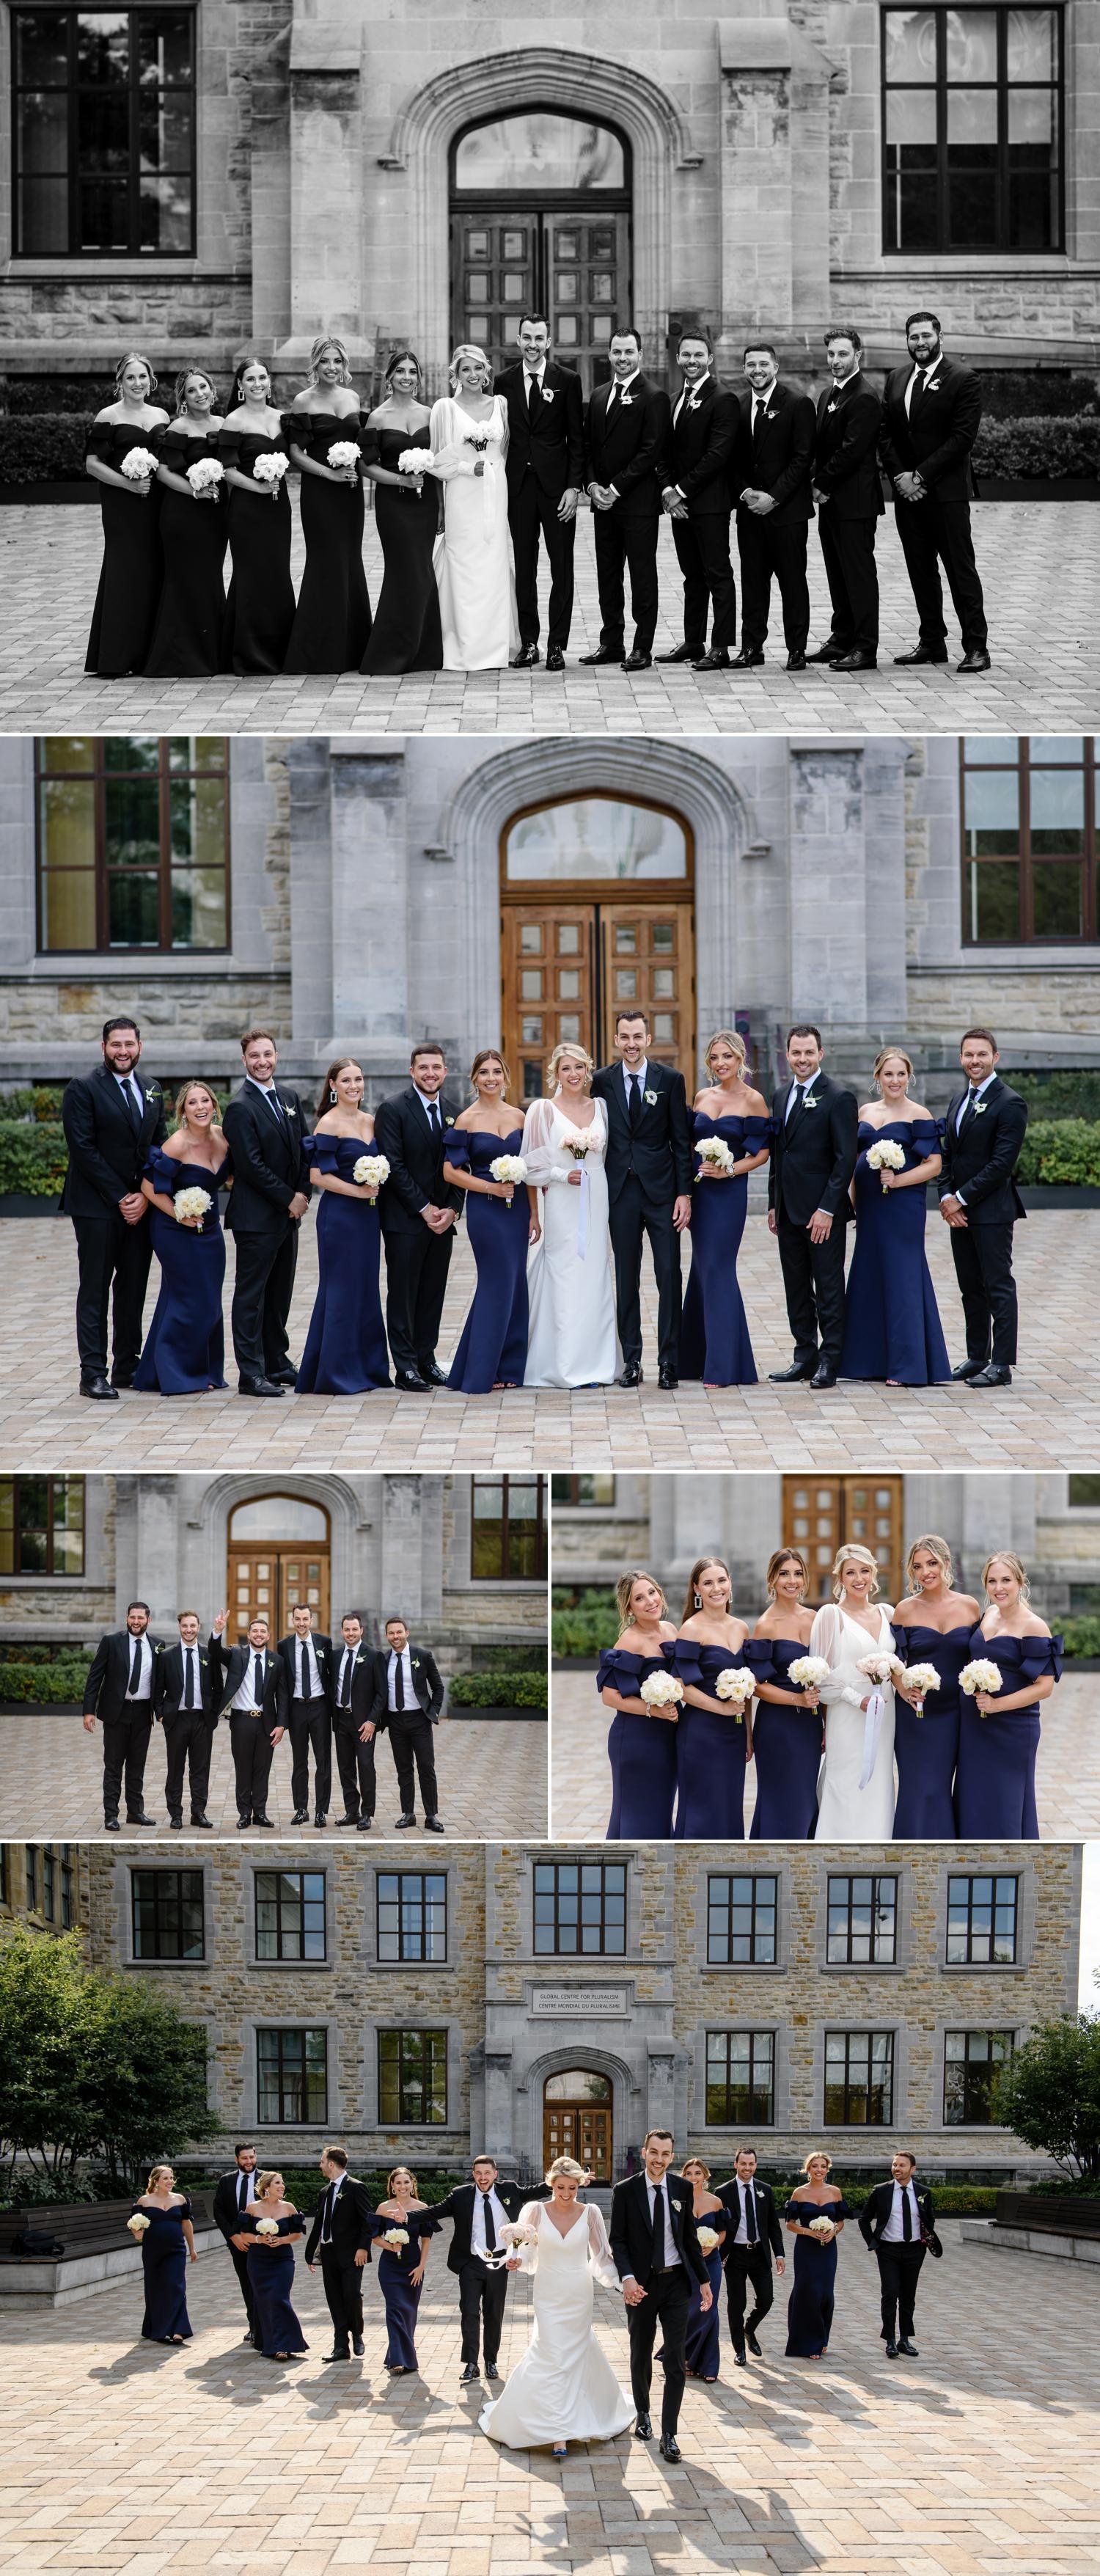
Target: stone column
{"points": [[157, 1530], [370, 945], [402, 1548], [326, 199], [497, 2134], [829, 925], [774, 145]]}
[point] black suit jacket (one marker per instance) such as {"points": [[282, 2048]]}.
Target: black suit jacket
{"points": [[551, 447], [700, 445], [287, 1650], [225, 2212], [659, 1151], [459, 2207], [229, 1667], [631, 2234], [427, 1683], [846, 449], [362, 1683], [630, 452], [350, 2222], [937, 438], [269, 1166], [982, 1162], [878, 2205], [781, 458], [109, 1674], [768, 2227], [813, 1159], [168, 1682], [402, 1133], [107, 1153]]}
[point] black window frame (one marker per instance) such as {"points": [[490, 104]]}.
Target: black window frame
{"points": [[281, 1955], [760, 1906], [972, 1953], [596, 1873], [392, 2043], [66, 1883], [166, 1897], [974, 2087], [737, 2113], [72, 89], [501, 1573], [284, 2073], [1022, 757], [850, 1879], [50, 1572], [102, 869], [1002, 247], [853, 2082], [566, 1493], [411, 1889], [31, 1878]]}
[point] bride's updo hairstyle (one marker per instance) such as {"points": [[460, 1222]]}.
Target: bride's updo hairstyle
{"points": [[325, 341], [570, 1046], [489, 1055], [466, 349], [736, 1045], [1004, 1556], [883, 1057], [624, 1589], [692, 1600], [853, 1555], [780, 1557], [567, 2168], [936, 1547]]}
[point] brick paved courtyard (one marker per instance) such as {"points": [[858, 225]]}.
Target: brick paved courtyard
{"points": [[1067, 1774], [1040, 565], [1050, 1417], [980, 2456]]}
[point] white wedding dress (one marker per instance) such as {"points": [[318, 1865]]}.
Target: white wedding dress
{"points": [[571, 1336], [847, 1813], [564, 2389], [473, 556]]}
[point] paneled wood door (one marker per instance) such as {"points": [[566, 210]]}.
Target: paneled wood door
{"points": [[266, 1581], [581, 2130], [569, 964], [822, 1513], [571, 263]]}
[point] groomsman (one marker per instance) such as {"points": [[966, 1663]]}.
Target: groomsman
{"points": [[111, 1118], [752, 2237], [848, 494], [983, 1132], [770, 478], [931, 418], [656, 2251], [308, 1662], [185, 1688], [120, 1691], [897, 2221], [408, 1696], [478, 2210], [234, 2199], [697, 498], [356, 1723], [545, 471], [813, 1159], [341, 2235], [264, 1129], [649, 1165], [417, 1212], [249, 1689], [626, 436]]}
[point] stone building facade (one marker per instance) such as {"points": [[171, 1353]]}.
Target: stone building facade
{"points": [[45, 1888]]}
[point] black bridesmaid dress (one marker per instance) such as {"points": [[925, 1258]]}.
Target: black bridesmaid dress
{"points": [[186, 641], [333, 620], [407, 634], [259, 612], [164, 2270], [129, 583]]}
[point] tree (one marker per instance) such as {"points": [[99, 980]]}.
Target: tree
{"points": [[1049, 2093], [92, 2067]]}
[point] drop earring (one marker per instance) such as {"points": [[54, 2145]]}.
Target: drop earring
{"points": [[698, 1600], [332, 1095]]}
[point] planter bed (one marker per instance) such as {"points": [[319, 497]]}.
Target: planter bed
{"points": [[1059, 1194], [512, 1716], [1053, 487], [25, 1203], [40, 1707], [1055, 2214], [12, 495], [98, 2252]]}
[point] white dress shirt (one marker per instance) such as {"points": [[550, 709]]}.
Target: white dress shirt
{"points": [[347, 1660], [434, 1109], [978, 1089], [245, 1695], [795, 1094], [196, 1676], [250, 2194], [334, 2188], [145, 1677], [670, 2254], [477, 2223], [128, 1085], [305, 1664], [689, 394], [628, 1077], [920, 370], [533, 376], [741, 2234], [405, 1661], [894, 2233]]}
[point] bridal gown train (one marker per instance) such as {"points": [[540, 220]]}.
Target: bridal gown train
{"points": [[571, 1338], [847, 1813], [564, 2388]]}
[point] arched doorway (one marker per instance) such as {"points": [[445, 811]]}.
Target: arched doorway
{"points": [[540, 218], [822, 1513], [597, 914], [279, 1553], [577, 2119]]}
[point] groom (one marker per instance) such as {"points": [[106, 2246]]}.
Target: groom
{"points": [[545, 470], [982, 1135], [656, 2251], [813, 1159], [648, 1168]]}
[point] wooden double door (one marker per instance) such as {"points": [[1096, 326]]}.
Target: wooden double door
{"points": [[581, 2130], [269, 1579], [569, 964], [570, 261], [822, 1513]]}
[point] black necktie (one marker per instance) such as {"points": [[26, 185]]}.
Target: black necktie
{"points": [[634, 1109], [258, 1680], [750, 2214], [658, 2227], [133, 1104], [490, 2230], [612, 399], [399, 1685], [534, 398], [326, 2223], [345, 1680], [304, 1691], [906, 2218], [135, 1668], [757, 422], [189, 1679], [433, 1116], [242, 2194], [968, 1112]]}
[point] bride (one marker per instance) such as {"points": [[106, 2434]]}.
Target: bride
{"points": [[477, 597], [564, 2389], [856, 1791], [571, 1339]]}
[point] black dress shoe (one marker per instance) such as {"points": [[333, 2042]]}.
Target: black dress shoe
{"points": [[555, 658], [336, 2356], [432, 1375], [203, 1824], [363, 1824], [747, 661], [605, 654], [920, 653], [632, 1374], [992, 1376], [669, 2447], [790, 1376], [643, 2429], [713, 661], [859, 661], [99, 1389], [123, 1378], [283, 1376], [346, 1820], [142, 1819], [823, 1375], [320, 1820], [682, 653], [358, 2346], [637, 661], [267, 1821], [300, 1816], [751, 2341], [258, 1386], [969, 1368], [491, 2371], [471, 2371], [526, 658], [909, 2349], [401, 1822], [667, 1378], [111, 1825], [978, 661], [739, 2357], [411, 1382], [176, 1823], [432, 1825], [891, 2352], [243, 1823], [796, 661], [826, 653]]}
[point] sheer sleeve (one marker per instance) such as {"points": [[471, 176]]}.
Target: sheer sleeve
{"points": [[537, 1147], [825, 1639], [529, 2254], [449, 456], [600, 2256]]}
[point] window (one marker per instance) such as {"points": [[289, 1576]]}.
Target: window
{"points": [[42, 1525], [971, 123], [580, 1908], [167, 1914], [971, 2059], [982, 1917], [65, 1878], [1083, 1493], [539, 149], [290, 1914], [49, 1884], [411, 1914], [292, 2078], [5, 1897], [862, 1922], [30, 1863], [412, 2078], [133, 842], [742, 1912], [104, 132], [584, 1493], [508, 1541], [598, 840], [1029, 845], [859, 2079], [740, 2078]]}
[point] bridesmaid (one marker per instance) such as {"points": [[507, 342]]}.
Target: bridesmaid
{"points": [[401, 2269], [407, 634], [270, 2261], [493, 1348], [787, 1728], [259, 612], [810, 2306], [167, 2245], [641, 1744], [333, 619], [187, 635], [713, 1737], [714, 1335], [184, 1350], [702, 2350], [892, 1327], [933, 1625], [345, 1352], [999, 1732], [129, 584]]}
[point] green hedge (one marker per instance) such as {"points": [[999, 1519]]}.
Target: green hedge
{"points": [[583, 1623], [952, 2199], [1066, 1150], [44, 447], [1015, 450], [1019, 393], [41, 1100], [1082, 1637], [498, 1690], [55, 1685], [1068, 1092], [511, 1659], [34, 1159]]}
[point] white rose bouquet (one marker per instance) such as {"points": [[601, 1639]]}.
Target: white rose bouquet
{"points": [[190, 1206], [577, 1146], [823, 2228], [922, 1678], [509, 1169], [736, 1684], [880, 1667], [138, 2224], [886, 1156], [982, 1675], [414, 460], [205, 476], [343, 454], [267, 2227], [661, 1691], [808, 1672], [271, 469], [138, 464], [708, 2239], [715, 1153], [395, 2238], [370, 1170]]}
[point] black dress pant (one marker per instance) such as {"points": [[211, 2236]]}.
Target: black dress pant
{"points": [[412, 1740], [983, 1268], [188, 1737], [416, 1283], [110, 1251], [813, 1283], [703, 553], [355, 1765], [665, 2305], [626, 545], [529, 509], [747, 2266], [310, 1728], [899, 2272], [262, 1287], [250, 1737], [344, 2293], [633, 1216], [125, 1746], [848, 546], [934, 532], [240, 2265], [765, 550], [481, 2297]]}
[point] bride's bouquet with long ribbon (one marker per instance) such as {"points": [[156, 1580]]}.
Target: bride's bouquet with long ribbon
{"points": [[880, 1667], [516, 2239], [577, 1148], [736, 1685]]}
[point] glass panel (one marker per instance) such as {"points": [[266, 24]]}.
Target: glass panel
{"points": [[664, 1028], [530, 984], [664, 984], [530, 938], [566, 287], [477, 287], [993, 899], [539, 150], [569, 984], [595, 837], [626, 939], [971, 116], [569, 1027], [1030, 116], [988, 751], [626, 984], [567, 245], [1030, 51], [198, 908], [41, 50], [133, 910], [971, 44], [569, 938], [513, 245], [531, 1032], [566, 331], [662, 938], [911, 116], [103, 47], [577, 2084], [164, 46], [1057, 888], [910, 44], [283, 1516], [1057, 810], [991, 813], [515, 286], [477, 329]]}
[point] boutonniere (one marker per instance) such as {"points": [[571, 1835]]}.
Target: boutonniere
{"points": [[415, 1663], [548, 393], [808, 1103], [289, 1108], [980, 1107], [625, 400], [931, 384], [652, 1097], [448, 1122], [153, 1091]]}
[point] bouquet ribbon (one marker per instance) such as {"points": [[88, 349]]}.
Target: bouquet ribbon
{"points": [[584, 1194], [872, 1728], [488, 496]]}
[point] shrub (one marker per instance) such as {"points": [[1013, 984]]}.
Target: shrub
{"points": [[1027, 393], [1082, 1637], [1068, 1092], [44, 447], [33, 1158], [58, 393], [42, 1100], [58, 1685], [305, 2184], [498, 1690], [511, 1659], [582, 1624], [1065, 1150], [1022, 450]]}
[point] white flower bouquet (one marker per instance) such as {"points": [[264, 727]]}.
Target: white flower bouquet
{"points": [[414, 460], [715, 1152], [395, 2238], [661, 1691], [138, 2224], [823, 2228], [189, 1204], [708, 2239], [370, 1170], [514, 2239], [922, 1678], [981, 1675], [267, 2227], [138, 464], [509, 1169], [735, 1684], [205, 475], [269, 468], [886, 1156], [577, 1146], [808, 1672], [342, 453], [880, 1667]]}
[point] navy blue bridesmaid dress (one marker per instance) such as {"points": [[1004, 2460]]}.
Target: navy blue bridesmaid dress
{"points": [[184, 1350], [186, 642], [710, 1750], [812, 2300], [641, 1751], [164, 2266], [714, 1333], [493, 1347], [259, 611], [926, 1749], [271, 2274], [892, 1325], [995, 1778], [400, 2295], [332, 621], [786, 1746], [345, 1352], [129, 583], [407, 634]]}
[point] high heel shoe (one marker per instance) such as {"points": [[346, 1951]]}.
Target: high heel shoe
{"points": [[560, 2449]]}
